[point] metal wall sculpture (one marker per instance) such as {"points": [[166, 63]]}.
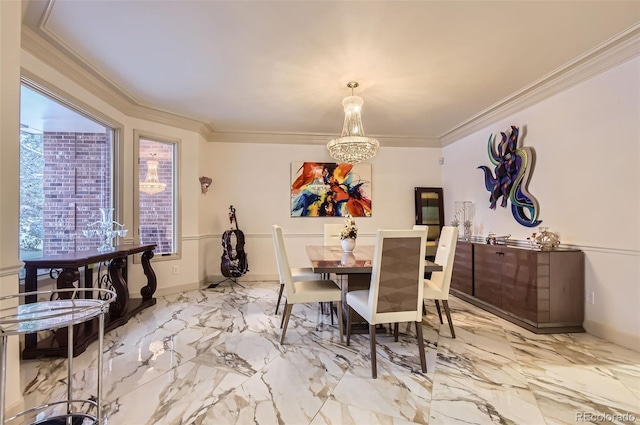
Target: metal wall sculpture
{"points": [[513, 169]]}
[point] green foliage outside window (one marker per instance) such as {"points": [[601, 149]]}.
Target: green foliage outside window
{"points": [[31, 191]]}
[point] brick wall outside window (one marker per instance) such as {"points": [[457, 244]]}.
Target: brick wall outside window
{"points": [[156, 211], [77, 183]]}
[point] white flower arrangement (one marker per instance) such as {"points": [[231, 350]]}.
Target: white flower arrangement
{"points": [[350, 230]]}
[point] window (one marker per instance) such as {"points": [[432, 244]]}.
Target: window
{"points": [[157, 194], [66, 173]]}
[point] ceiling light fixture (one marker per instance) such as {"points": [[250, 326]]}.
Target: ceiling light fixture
{"points": [[352, 146], [151, 183]]}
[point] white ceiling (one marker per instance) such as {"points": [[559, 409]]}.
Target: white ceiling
{"points": [[282, 66]]}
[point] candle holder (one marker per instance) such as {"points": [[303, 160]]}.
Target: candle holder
{"points": [[467, 230], [104, 229], [464, 214]]}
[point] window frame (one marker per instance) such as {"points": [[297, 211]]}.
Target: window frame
{"points": [[45, 88], [177, 225]]}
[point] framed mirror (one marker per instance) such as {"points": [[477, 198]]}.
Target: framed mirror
{"points": [[430, 212]]}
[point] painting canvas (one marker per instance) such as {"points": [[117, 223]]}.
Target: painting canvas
{"points": [[329, 189]]}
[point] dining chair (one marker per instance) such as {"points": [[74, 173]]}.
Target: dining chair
{"points": [[395, 292], [424, 228], [332, 234], [297, 273], [303, 291], [437, 287]]}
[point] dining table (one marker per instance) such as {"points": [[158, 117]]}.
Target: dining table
{"points": [[353, 270]]}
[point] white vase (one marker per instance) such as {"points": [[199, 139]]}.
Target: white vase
{"points": [[348, 244]]}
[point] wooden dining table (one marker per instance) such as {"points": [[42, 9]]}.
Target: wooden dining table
{"points": [[353, 270]]}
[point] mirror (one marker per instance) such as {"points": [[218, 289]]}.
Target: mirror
{"points": [[430, 212]]}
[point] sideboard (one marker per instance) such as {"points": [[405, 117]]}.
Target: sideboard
{"points": [[542, 291]]}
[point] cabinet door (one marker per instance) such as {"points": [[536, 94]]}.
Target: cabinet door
{"points": [[487, 271], [462, 275], [519, 283], [430, 212]]}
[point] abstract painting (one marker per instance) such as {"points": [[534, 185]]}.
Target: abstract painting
{"points": [[328, 189], [513, 168]]}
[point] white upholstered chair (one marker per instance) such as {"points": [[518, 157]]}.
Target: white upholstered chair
{"points": [[395, 293], [424, 228], [298, 274], [307, 291], [332, 234], [437, 288]]}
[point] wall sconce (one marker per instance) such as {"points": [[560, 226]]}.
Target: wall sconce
{"points": [[205, 183]]}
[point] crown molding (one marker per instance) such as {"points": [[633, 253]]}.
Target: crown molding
{"points": [[85, 75], [315, 139], [603, 57], [52, 50]]}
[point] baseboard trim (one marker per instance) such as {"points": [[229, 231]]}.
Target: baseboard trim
{"points": [[610, 334], [161, 292], [245, 278], [203, 283]]}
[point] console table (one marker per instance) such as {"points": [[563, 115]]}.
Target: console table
{"points": [[120, 310], [542, 291]]}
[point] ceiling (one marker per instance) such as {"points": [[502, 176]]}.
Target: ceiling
{"points": [[281, 67]]}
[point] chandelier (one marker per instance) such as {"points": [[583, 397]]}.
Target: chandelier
{"points": [[151, 183], [352, 146]]}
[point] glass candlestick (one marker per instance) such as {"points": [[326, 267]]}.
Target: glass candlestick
{"points": [[467, 230], [104, 229]]}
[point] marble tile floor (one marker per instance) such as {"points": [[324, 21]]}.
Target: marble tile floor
{"points": [[213, 356]]}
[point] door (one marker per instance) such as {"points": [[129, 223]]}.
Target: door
{"points": [[430, 212]]}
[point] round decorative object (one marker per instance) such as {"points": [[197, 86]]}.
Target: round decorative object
{"points": [[348, 244], [546, 240]]}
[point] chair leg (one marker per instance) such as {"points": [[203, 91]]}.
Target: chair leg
{"points": [[374, 364], [439, 311], [279, 297], [424, 309], [331, 311], [395, 331], [423, 360], [285, 316], [340, 324], [445, 303], [348, 325]]}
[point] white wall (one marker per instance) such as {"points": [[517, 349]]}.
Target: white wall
{"points": [[256, 180], [587, 182]]}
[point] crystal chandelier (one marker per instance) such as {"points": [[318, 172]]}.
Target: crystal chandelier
{"points": [[151, 183], [352, 146]]}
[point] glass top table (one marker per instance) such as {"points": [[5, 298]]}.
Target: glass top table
{"points": [[332, 259], [60, 308]]}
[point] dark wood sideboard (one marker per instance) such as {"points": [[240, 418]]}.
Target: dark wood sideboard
{"points": [[120, 310], [542, 291]]}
